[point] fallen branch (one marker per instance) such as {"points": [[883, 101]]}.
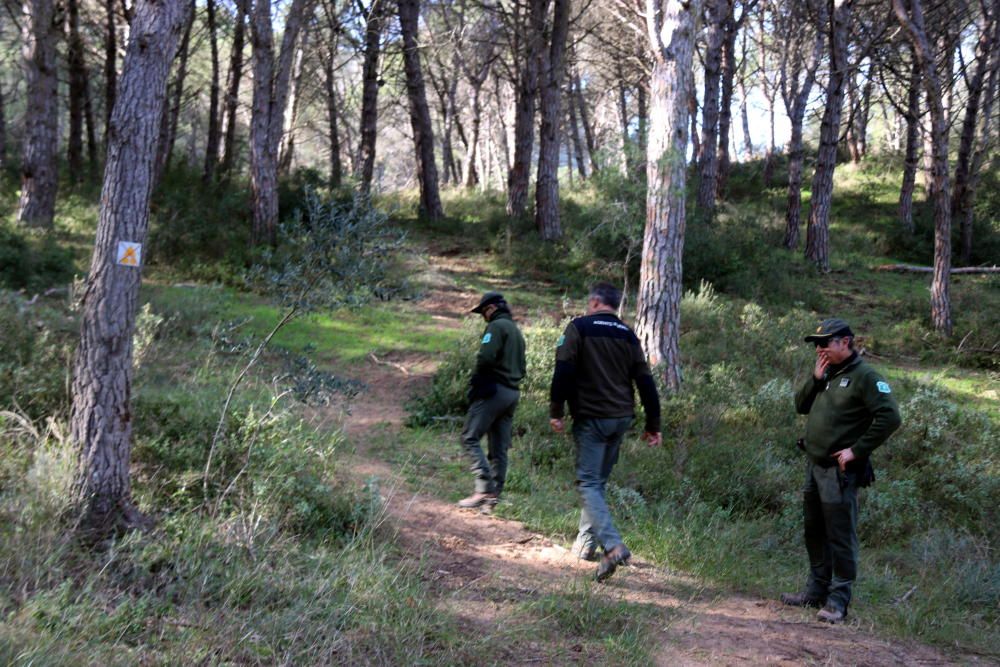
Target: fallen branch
{"points": [[399, 367], [913, 268]]}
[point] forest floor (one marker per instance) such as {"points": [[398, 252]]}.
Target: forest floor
{"points": [[482, 569]]}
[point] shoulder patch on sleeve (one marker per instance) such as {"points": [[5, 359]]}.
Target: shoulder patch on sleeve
{"points": [[883, 387], [562, 339], [487, 338]]}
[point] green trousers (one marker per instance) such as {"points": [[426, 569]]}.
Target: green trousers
{"points": [[494, 418], [830, 503]]}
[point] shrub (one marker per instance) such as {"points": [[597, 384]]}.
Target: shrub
{"points": [[32, 261]]}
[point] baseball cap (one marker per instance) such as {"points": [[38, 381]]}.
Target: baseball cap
{"points": [[833, 327]]}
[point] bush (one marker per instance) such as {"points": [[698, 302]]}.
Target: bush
{"points": [[32, 261]]}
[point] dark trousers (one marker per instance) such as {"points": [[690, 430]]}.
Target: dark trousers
{"points": [[830, 503], [493, 417]]}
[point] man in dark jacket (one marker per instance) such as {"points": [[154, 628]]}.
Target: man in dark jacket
{"points": [[851, 412], [500, 367], [598, 358]]}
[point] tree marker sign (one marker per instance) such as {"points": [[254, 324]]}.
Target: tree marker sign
{"points": [[129, 254]]}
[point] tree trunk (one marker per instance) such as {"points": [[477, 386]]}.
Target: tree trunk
{"points": [[172, 105], [519, 177], [110, 65], [672, 31], [553, 73], [91, 127], [471, 178], [854, 109], [101, 423], [716, 12], [420, 114], [693, 117], [726, 100], [628, 151], [369, 93], [270, 96], [3, 131], [796, 98], [642, 117], [214, 128], [985, 50], [818, 230], [910, 161], [233, 88], [588, 130], [913, 24], [574, 134], [287, 141], [39, 167], [77, 71], [333, 111]]}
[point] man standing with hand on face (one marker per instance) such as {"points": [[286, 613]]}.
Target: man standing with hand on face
{"points": [[598, 358], [851, 412]]}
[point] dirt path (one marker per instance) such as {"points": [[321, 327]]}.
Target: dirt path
{"points": [[481, 567]]}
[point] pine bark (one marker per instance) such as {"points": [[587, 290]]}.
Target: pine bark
{"points": [[214, 121], [911, 158], [818, 229], [374, 21], [233, 88], [574, 134], [518, 179], [39, 167], [286, 150], [110, 64], [715, 34], [332, 115], [913, 24], [101, 422], [553, 73], [420, 114], [671, 28]]}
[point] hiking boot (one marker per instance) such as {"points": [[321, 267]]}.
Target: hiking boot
{"points": [[801, 600], [830, 614], [610, 561], [478, 499], [584, 548]]}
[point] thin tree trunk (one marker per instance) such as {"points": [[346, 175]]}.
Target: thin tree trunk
{"points": [[3, 131], [574, 133], [39, 167], [818, 230], [726, 100], [865, 112], [233, 88], [110, 65], [101, 422], [519, 177], [796, 97], [471, 177], [628, 152], [420, 114], [642, 116], [693, 117], [91, 127], [715, 33], [985, 50], [547, 188], [333, 111], [287, 142], [913, 24], [369, 93], [910, 161], [214, 126], [77, 71], [854, 109], [588, 131], [672, 31], [172, 104]]}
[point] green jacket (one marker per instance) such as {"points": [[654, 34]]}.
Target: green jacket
{"points": [[501, 352], [852, 407]]}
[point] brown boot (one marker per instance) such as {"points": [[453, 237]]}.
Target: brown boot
{"points": [[478, 499], [610, 561], [801, 600]]}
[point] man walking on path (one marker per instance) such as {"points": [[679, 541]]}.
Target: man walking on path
{"points": [[851, 412], [598, 358], [493, 397]]}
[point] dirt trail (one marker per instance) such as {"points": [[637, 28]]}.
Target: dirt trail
{"points": [[480, 566]]}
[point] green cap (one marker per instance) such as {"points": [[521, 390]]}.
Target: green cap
{"points": [[831, 328], [489, 299]]}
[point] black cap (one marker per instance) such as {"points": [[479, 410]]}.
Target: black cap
{"points": [[489, 299], [831, 328]]}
